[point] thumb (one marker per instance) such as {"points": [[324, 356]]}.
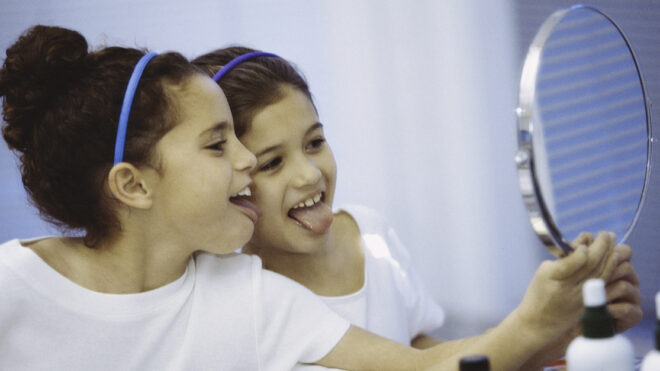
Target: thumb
{"points": [[585, 238], [565, 267]]}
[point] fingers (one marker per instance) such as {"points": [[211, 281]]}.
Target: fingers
{"points": [[624, 300], [623, 291], [567, 266], [599, 257], [625, 272], [600, 248], [626, 315], [624, 251], [605, 271], [585, 238]]}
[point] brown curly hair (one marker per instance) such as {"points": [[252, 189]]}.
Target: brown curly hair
{"points": [[253, 84], [61, 106]]}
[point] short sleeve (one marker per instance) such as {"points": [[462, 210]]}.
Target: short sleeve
{"points": [[424, 315], [293, 325]]}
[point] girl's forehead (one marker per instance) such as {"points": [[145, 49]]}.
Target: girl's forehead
{"points": [[293, 111], [198, 88], [202, 97], [288, 119]]}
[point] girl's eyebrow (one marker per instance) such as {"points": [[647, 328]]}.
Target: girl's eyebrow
{"points": [[266, 150], [220, 126], [316, 125]]}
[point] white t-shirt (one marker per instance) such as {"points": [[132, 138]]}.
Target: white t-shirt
{"points": [[393, 302], [224, 313]]}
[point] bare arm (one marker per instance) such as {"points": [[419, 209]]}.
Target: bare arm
{"points": [[543, 323], [424, 341], [551, 307], [361, 350], [508, 346]]}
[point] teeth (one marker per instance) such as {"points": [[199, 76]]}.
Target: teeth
{"points": [[244, 192], [309, 202]]}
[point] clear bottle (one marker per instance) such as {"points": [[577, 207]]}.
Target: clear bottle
{"points": [[474, 363], [651, 361], [599, 348]]}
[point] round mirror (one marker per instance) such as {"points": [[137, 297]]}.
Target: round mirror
{"points": [[583, 134]]}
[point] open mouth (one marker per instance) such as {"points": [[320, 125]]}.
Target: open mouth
{"points": [[241, 199], [312, 213]]}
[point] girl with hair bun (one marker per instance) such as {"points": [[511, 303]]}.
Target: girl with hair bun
{"points": [[354, 261], [133, 155]]}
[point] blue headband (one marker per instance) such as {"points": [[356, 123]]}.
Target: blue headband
{"points": [[126, 105], [238, 60]]}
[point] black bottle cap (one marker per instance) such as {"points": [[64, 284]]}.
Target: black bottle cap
{"points": [[474, 363], [597, 323]]}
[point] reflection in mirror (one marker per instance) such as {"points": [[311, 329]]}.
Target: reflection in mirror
{"points": [[583, 129]]}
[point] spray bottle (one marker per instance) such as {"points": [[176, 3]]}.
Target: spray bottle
{"points": [[599, 348]]}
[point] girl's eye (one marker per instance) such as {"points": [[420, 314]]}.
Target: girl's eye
{"points": [[272, 164], [218, 146], [316, 143]]}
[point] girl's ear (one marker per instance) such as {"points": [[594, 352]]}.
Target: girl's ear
{"points": [[129, 186]]}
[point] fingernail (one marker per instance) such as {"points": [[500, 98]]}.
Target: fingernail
{"points": [[612, 237]]}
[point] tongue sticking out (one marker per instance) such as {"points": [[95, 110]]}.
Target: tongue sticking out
{"points": [[316, 218]]}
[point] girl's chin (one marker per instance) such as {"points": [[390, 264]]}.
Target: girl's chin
{"points": [[237, 243], [244, 240]]}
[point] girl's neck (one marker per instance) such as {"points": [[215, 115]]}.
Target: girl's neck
{"points": [[334, 268], [122, 266]]}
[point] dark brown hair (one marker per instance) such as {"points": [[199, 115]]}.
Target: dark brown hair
{"points": [[61, 106], [253, 84]]}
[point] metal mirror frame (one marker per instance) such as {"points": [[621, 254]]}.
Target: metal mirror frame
{"points": [[539, 215]]}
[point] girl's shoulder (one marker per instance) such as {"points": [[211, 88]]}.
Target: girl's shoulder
{"points": [[40, 252], [378, 236], [365, 218]]}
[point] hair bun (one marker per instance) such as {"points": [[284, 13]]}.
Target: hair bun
{"points": [[39, 67]]}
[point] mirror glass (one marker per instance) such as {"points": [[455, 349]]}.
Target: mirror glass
{"points": [[583, 129]]}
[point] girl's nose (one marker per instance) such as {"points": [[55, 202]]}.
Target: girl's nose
{"points": [[244, 159], [307, 173]]}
